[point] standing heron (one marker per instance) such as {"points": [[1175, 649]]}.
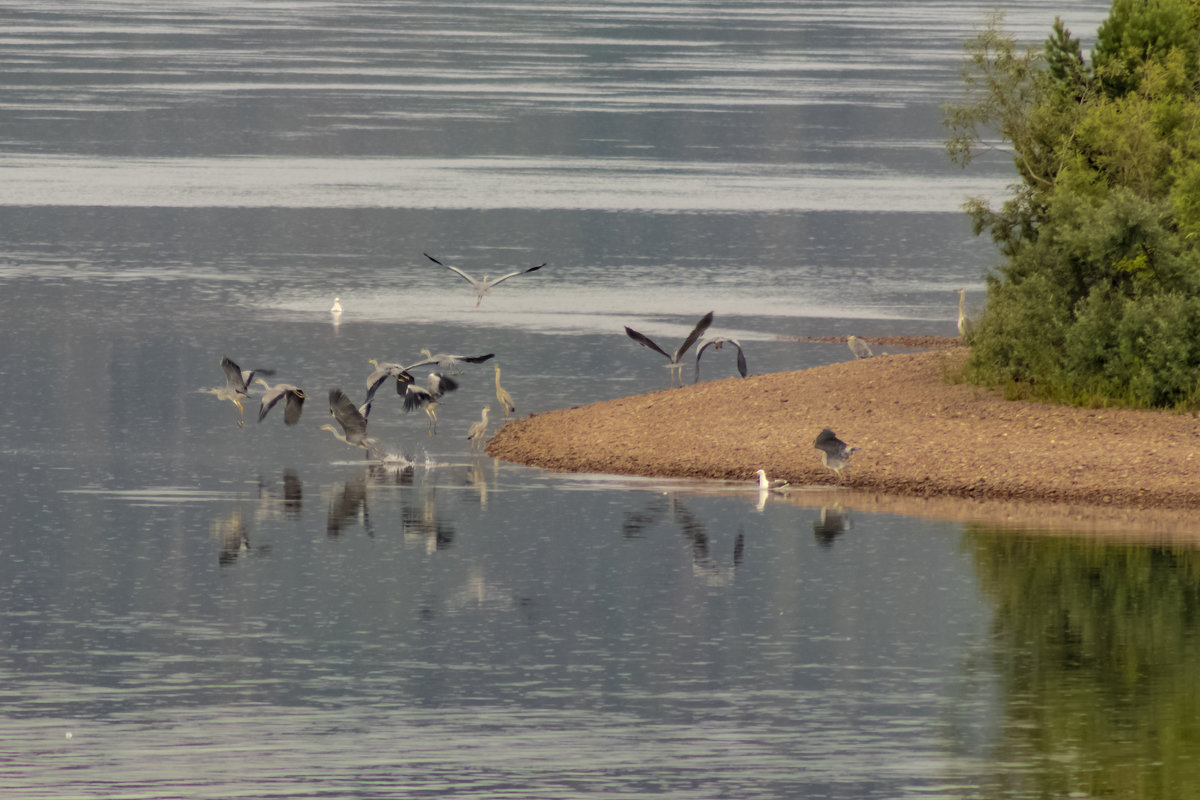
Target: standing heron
{"points": [[964, 324], [718, 343], [506, 401], [237, 385], [485, 285], [675, 364], [835, 453], [477, 433], [860, 348], [426, 397], [293, 397], [448, 361], [353, 420]]}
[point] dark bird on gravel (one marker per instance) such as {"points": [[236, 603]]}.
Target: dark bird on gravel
{"points": [[835, 453]]}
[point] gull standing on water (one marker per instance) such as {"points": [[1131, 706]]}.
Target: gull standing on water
{"points": [[336, 309], [674, 364], [237, 385], [835, 453], [485, 285]]}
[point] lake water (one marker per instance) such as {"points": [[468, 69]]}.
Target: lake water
{"points": [[196, 609]]}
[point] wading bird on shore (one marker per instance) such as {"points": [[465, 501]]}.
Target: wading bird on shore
{"points": [[485, 285], [237, 385], [674, 364], [477, 433], [857, 346], [717, 343], [835, 453], [353, 420], [292, 396], [964, 324], [426, 397], [506, 401]]}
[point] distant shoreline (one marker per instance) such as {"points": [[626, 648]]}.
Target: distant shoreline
{"points": [[919, 437]]}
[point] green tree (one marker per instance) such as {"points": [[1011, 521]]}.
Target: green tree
{"points": [[1098, 297]]}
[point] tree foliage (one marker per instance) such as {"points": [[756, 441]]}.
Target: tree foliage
{"points": [[1098, 297]]}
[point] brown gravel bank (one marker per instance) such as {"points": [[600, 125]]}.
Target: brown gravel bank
{"points": [[920, 437]]}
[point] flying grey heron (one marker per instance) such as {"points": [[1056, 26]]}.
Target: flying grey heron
{"points": [[483, 286], [860, 348], [426, 397], [674, 364], [237, 385], [293, 397], [384, 370], [835, 453], [506, 401], [477, 433], [353, 420], [448, 361], [718, 343]]}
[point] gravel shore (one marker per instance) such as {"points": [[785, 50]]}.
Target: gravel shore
{"points": [[919, 435]]}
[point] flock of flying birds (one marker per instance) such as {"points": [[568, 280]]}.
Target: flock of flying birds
{"points": [[352, 418]]}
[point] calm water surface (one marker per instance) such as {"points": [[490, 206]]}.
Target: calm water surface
{"points": [[194, 609]]}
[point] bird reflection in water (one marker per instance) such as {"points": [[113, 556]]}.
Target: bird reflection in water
{"points": [[233, 536], [703, 563], [347, 506], [289, 501], [421, 521], [832, 524]]}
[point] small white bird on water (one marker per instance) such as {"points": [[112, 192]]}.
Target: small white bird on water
{"points": [[766, 487], [337, 306]]}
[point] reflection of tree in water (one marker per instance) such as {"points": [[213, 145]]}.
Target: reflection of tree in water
{"points": [[1096, 645], [832, 524], [637, 521]]}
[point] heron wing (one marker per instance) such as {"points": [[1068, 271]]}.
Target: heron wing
{"points": [[645, 341], [475, 359], [268, 401], [416, 396], [462, 274], [348, 416], [828, 442], [293, 405], [233, 374], [439, 384], [517, 272], [697, 331], [741, 359], [700, 352]]}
